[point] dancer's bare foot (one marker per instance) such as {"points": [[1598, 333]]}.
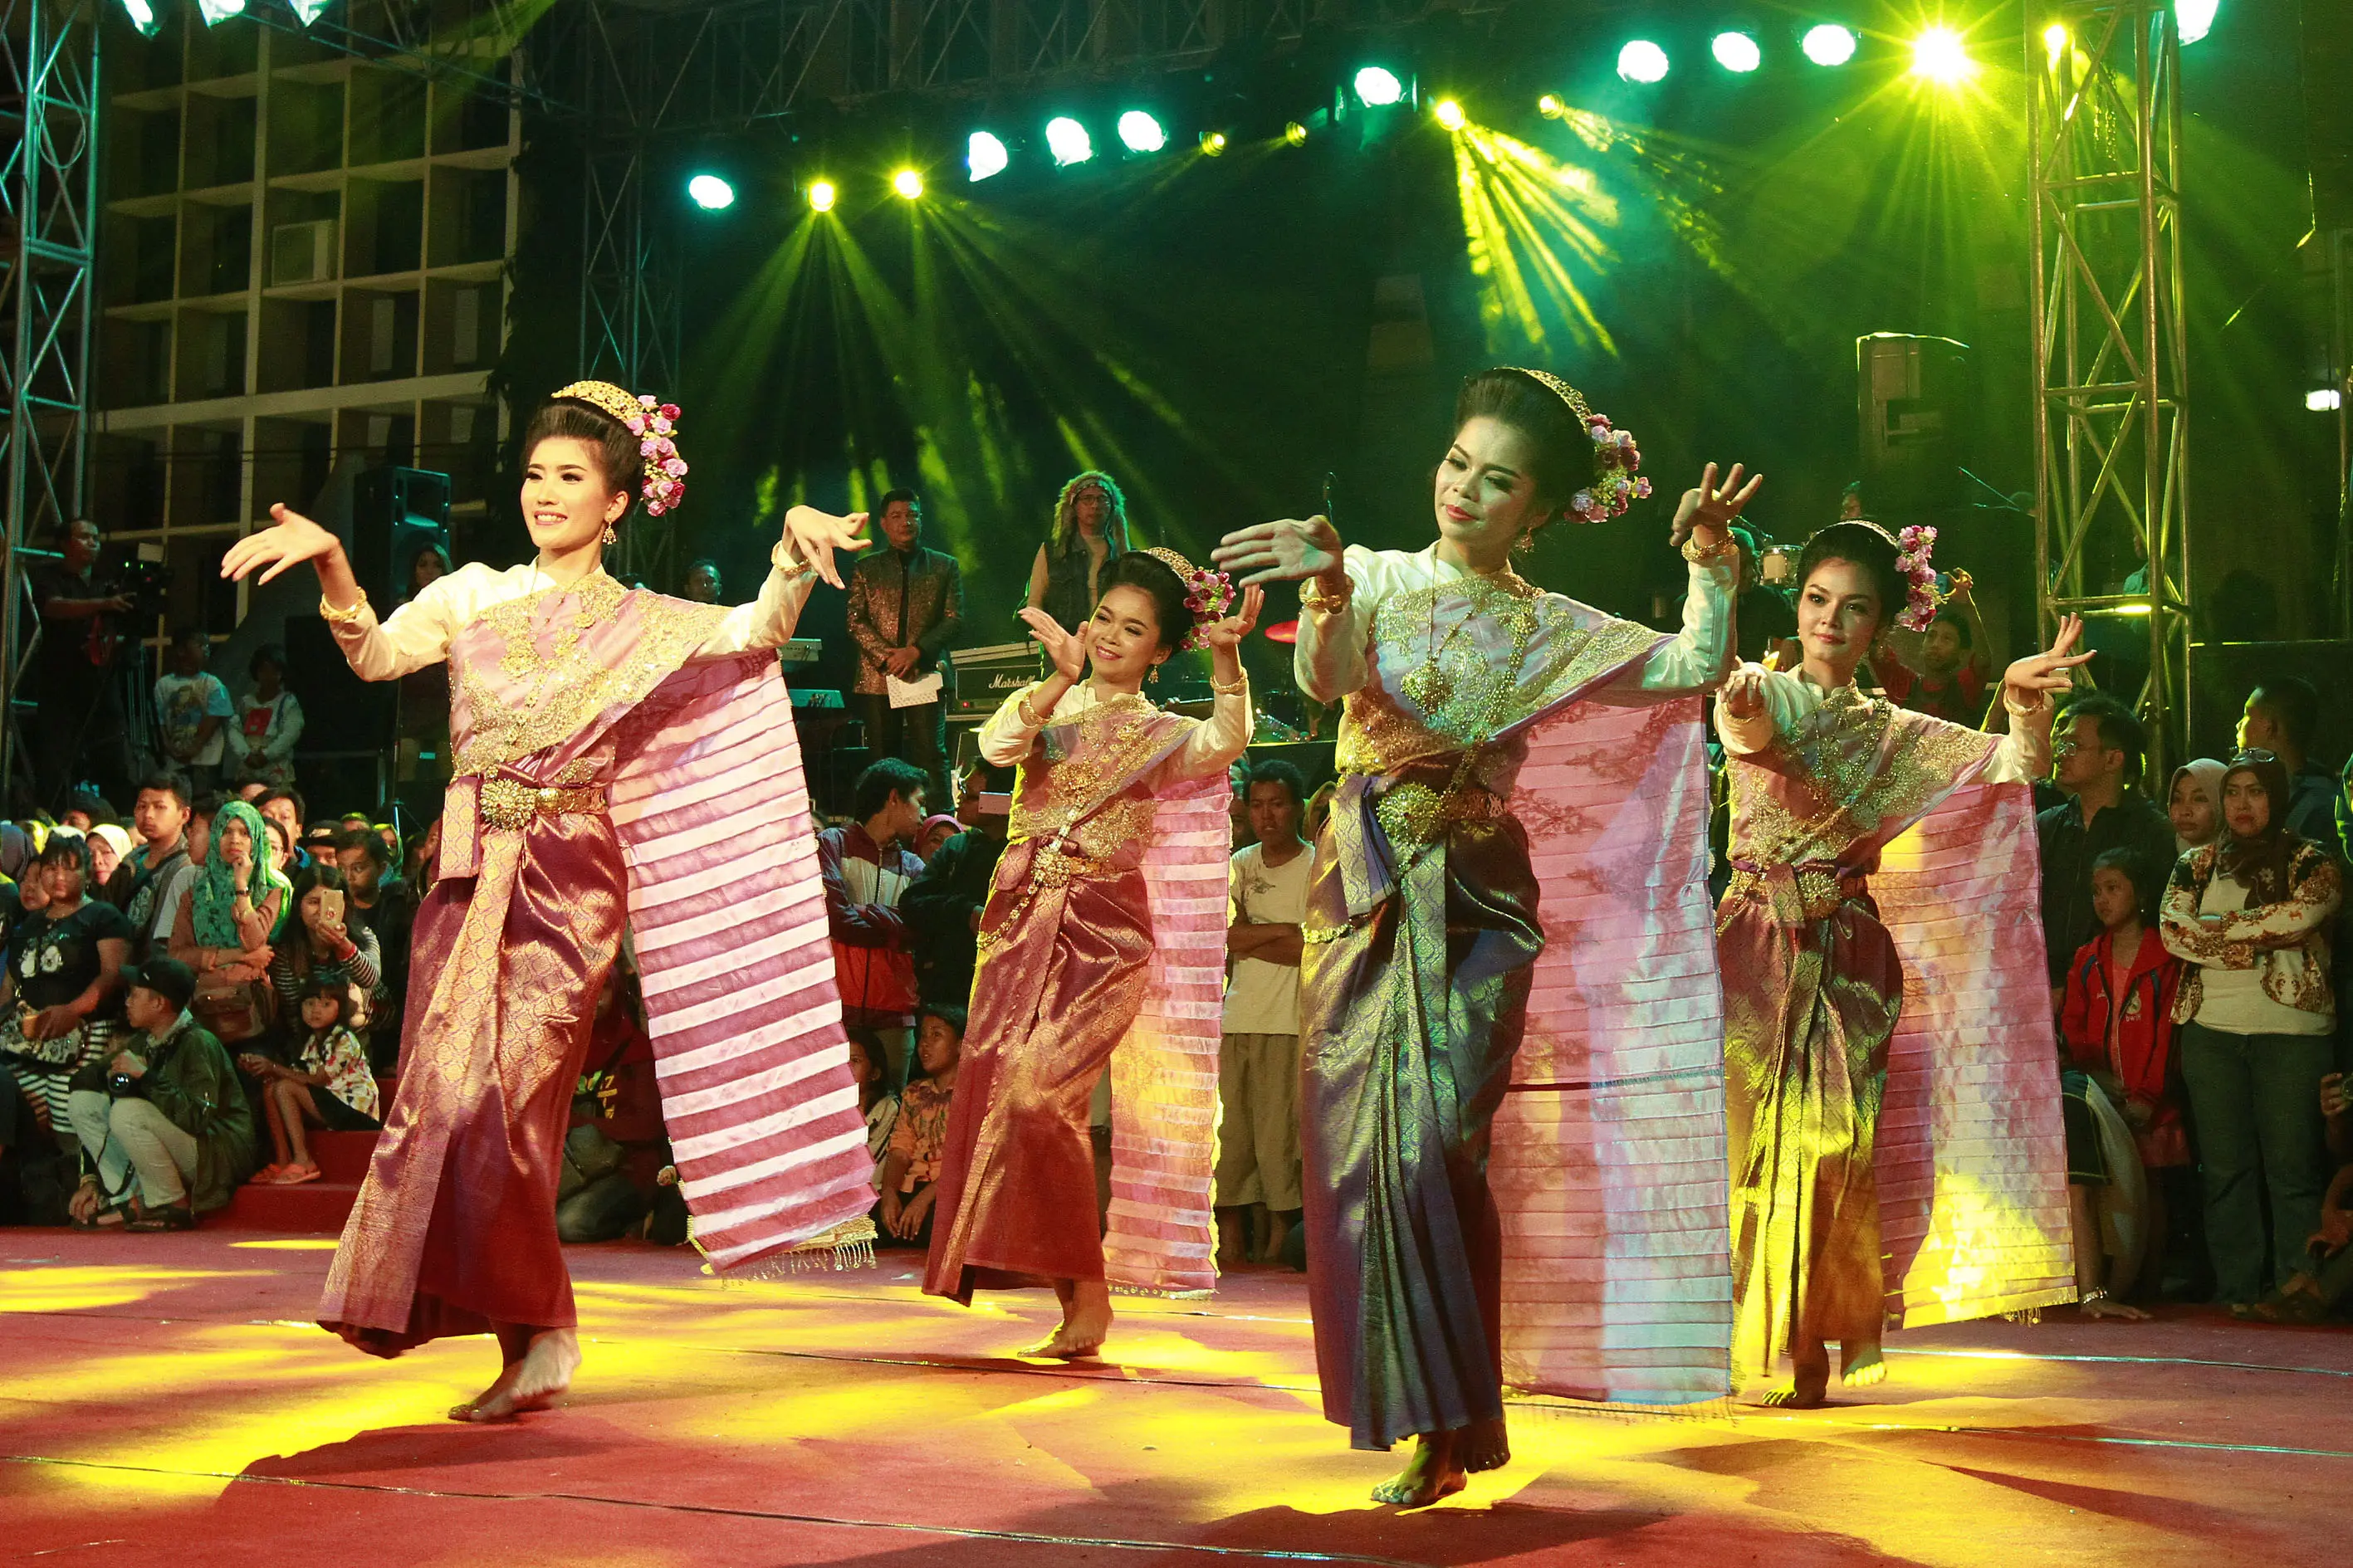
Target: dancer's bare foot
{"points": [[1861, 1364], [1809, 1384], [1086, 1322], [2108, 1307], [1484, 1446], [1432, 1473], [534, 1383]]}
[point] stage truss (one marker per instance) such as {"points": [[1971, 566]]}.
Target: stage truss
{"points": [[49, 206], [2110, 349]]}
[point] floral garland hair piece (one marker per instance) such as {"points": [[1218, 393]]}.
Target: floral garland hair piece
{"points": [[1207, 593], [1912, 548], [654, 424], [1616, 484]]}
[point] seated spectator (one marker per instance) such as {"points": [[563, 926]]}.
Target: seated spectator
{"points": [[934, 831], [420, 859], [2193, 801], [876, 1103], [283, 805], [268, 723], [224, 927], [322, 942], [166, 1107], [107, 845], [1258, 1059], [1947, 669], [2282, 717], [2123, 1125], [59, 999], [1762, 618], [85, 809], [912, 1167], [942, 908], [2097, 749], [192, 709], [2325, 1284], [865, 868], [2249, 915], [383, 904], [328, 1084], [153, 876], [284, 853], [615, 1152]]}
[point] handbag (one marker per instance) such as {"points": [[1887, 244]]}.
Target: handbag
{"points": [[233, 1010]]}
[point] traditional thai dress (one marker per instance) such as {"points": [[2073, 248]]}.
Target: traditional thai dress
{"points": [[619, 755], [1509, 1010], [1104, 940], [1891, 1097]]}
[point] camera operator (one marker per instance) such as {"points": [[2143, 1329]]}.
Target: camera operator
{"points": [[78, 715]]}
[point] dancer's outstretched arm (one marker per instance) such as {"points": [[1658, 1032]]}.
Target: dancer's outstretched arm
{"points": [[800, 560], [412, 636], [1702, 529]]}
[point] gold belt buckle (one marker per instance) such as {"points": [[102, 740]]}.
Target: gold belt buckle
{"points": [[511, 803]]}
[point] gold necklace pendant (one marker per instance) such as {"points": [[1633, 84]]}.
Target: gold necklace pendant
{"points": [[1428, 685]]}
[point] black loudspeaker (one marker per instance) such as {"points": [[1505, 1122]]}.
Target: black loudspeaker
{"points": [[1916, 397], [341, 712], [395, 513]]}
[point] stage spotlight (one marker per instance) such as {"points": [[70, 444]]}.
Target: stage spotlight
{"points": [[2323, 400], [142, 17], [822, 195], [1736, 52], [985, 155], [1939, 56], [1295, 134], [2054, 43], [1139, 133], [1829, 45], [909, 184], [1068, 140], [2194, 18], [309, 11], [1642, 61], [1213, 142], [1551, 107], [1378, 86], [215, 12], [710, 193], [1450, 113]]}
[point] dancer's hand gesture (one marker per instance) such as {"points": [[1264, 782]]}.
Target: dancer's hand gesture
{"points": [[1225, 636], [816, 535], [1712, 506], [291, 541], [1067, 649], [1744, 693], [2037, 673], [1287, 550]]}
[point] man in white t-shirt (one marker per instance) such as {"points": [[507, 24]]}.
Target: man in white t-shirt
{"points": [[1257, 1062], [192, 709]]}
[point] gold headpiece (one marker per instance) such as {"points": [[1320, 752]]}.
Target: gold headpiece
{"points": [[1616, 485], [653, 423], [1206, 594]]}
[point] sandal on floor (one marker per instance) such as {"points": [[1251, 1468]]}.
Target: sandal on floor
{"points": [[170, 1217], [108, 1216], [2301, 1307], [297, 1174]]}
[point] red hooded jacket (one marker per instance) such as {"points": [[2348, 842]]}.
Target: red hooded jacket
{"points": [[2143, 1057]]}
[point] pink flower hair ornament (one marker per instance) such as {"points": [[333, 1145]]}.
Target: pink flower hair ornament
{"points": [[1207, 593], [655, 425], [1912, 550], [1616, 484]]}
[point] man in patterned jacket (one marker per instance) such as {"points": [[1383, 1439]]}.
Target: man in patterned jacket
{"points": [[906, 605]]}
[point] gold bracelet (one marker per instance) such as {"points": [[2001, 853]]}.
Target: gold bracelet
{"points": [[1313, 597], [1709, 555], [1027, 715], [334, 616], [1241, 684]]}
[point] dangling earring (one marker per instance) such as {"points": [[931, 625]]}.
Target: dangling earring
{"points": [[1153, 678], [611, 538]]}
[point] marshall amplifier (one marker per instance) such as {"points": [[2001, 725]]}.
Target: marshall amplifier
{"points": [[986, 677]]}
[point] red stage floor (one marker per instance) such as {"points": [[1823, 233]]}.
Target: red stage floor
{"points": [[164, 1402]]}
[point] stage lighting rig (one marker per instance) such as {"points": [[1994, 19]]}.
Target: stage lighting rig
{"points": [[1551, 107], [710, 193], [1378, 86], [1450, 113], [1829, 45], [2193, 19], [822, 196], [1939, 56], [1295, 134], [1139, 133], [2323, 400], [215, 12], [142, 17], [1736, 52], [985, 155], [1642, 61], [1213, 143], [1068, 140], [908, 184]]}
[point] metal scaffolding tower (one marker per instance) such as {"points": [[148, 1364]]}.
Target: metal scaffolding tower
{"points": [[2103, 132], [48, 202]]}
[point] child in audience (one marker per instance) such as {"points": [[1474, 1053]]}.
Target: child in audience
{"points": [[913, 1166], [329, 1086], [875, 1101], [2116, 1031]]}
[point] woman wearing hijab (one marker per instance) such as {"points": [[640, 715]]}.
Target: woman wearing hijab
{"points": [[235, 908], [2194, 802], [2248, 913]]}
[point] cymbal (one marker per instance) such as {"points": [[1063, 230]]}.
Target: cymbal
{"points": [[1283, 631]]}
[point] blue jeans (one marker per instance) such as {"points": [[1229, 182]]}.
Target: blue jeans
{"points": [[2257, 1102]]}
